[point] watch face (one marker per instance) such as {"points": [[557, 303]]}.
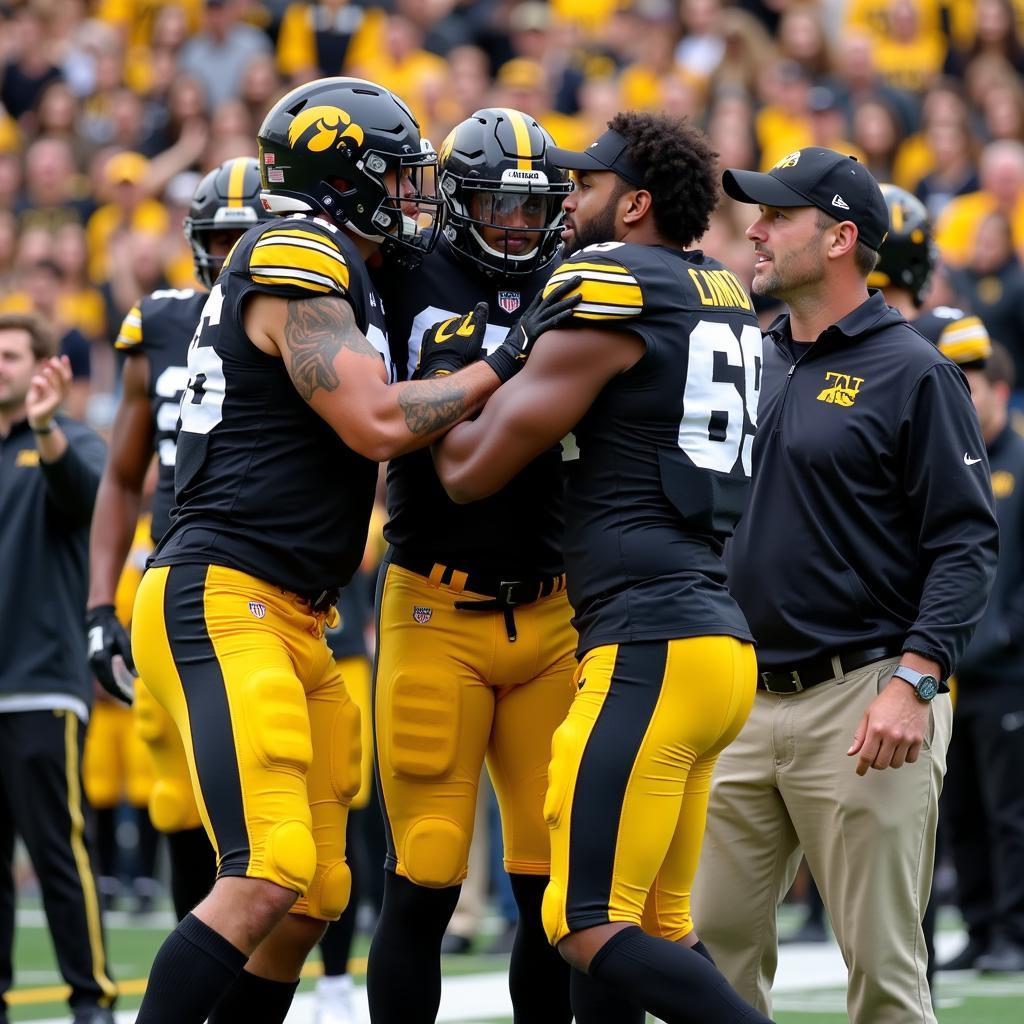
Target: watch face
{"points": [[927, 687]]}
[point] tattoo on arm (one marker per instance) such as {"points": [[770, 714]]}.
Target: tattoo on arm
{"points": [[315, 331], [431, 405]]}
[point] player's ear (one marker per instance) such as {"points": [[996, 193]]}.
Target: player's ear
{"points": [[638, 203]]}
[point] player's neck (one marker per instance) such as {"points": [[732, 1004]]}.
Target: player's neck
{"points": [[813, 310], [901, 301]]}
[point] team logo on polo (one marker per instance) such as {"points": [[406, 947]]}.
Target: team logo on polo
{"points": [[421, 614], [509, 301], [790, 160], [842, 390], [258, 608], [320, 128]]}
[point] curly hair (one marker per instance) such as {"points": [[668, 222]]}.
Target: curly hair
{"points": [[680, 170]]}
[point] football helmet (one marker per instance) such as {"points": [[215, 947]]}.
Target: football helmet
{"points": [[351, 150], [496, 176], [227, 199], [908, 255]]}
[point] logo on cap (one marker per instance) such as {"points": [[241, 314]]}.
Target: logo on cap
{"points": [[788, 161], [837, 200]]}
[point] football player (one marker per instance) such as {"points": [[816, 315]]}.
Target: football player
{"points": [[289, 405], [657, 374], [475, 652], [154, 340]]}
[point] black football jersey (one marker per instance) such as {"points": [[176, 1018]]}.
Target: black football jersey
{"points": [[159, 328], [665, 449], [262, 483], [516, 532]]}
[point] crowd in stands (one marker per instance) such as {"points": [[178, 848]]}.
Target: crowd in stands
{"points": [[110, 110]]}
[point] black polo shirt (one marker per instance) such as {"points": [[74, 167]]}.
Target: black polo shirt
{"points": [[870, 518]]}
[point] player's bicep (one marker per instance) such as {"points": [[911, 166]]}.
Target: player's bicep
{"points": [[131, 438]]}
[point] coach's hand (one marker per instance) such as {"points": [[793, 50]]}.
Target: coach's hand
{"points": [[110, 653], [545, 313], [892, 730], [450, 345]]}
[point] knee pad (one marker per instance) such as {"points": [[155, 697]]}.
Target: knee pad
{"points": [[346, 750], [153, 725], [422, 718], [567, 746], [289, 856], [277, 721], [172, 805], [435, 854], [329, 892]]}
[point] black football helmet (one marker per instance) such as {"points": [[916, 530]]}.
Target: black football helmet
{"points": [[342, 147], [495, 173], [908, 255], [227, 199]]}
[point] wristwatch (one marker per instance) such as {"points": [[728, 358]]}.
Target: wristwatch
{"points": [[926, 687]]}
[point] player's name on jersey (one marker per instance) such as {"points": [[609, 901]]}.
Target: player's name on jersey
{"points": [[719, 288]]}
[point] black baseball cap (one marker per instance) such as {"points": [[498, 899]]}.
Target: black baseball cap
{"points": [[609, 153], [831, 181]]}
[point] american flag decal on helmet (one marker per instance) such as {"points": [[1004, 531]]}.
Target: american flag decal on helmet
{"points": [[509, 301]]}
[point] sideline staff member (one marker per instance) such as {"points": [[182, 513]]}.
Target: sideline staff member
{"points": [[862, 564], [49, 471]]}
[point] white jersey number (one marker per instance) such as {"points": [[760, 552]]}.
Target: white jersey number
{"points": [[204, 397], [711, 431]]}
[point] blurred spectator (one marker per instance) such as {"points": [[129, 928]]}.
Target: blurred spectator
{"points": [[828, 122], [782, 124], [703, 45], [129, 208], [10, 180], [748, 49], [260, 87], [992, 284], [951, 146], [53, 187], [1001, 171], [912, 51], [802, 38], [30, 68], [1002, 109], [859, 76], [320, 39], [876, 132], [217, 57], [996, 34], [136, 268], [81, 303], [8, 248]]}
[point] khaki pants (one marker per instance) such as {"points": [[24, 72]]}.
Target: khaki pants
{"points": [[786, 786]]}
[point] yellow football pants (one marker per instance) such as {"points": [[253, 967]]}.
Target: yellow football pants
{"points": [[449, 689], [269, 731], [630, 776], [115, 763]]}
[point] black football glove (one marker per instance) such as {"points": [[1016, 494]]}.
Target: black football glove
{"points": [[543, 314], [450, 345], [110, 653]]}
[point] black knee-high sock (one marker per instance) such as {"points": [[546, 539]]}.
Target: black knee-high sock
{"points": [[403, 977], [538, 977], [254, 1000], [193, 968], [593, 1002], [193, 868], [336, 943], [674, 983]]}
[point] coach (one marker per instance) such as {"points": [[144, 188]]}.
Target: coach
{"points": [[49, 471], [862, 563]]}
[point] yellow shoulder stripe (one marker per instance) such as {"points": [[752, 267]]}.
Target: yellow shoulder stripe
{"points": [[579, 267], [965, 341], [130, 334], [290, 233], [604, 299], [306, 262]]}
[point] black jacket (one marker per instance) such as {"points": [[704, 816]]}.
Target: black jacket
{"points": [[45, 511], [870, 518], [994, 660]]}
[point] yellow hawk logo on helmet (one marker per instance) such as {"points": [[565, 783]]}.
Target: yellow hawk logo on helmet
{"points": [[446, 147], [331, 126], [790, 160]]}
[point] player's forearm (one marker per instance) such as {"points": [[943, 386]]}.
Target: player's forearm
{"points": [[465, 465], [113, 525], [418, 412]]}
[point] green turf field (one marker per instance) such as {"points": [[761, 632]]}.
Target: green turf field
{"points": [[962, 999]]}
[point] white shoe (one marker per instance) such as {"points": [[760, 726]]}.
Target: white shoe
{"points": [[335, 1001]]}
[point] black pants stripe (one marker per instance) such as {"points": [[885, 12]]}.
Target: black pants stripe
{"points": [[41, 801], [604, 775], [209, 716]]}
